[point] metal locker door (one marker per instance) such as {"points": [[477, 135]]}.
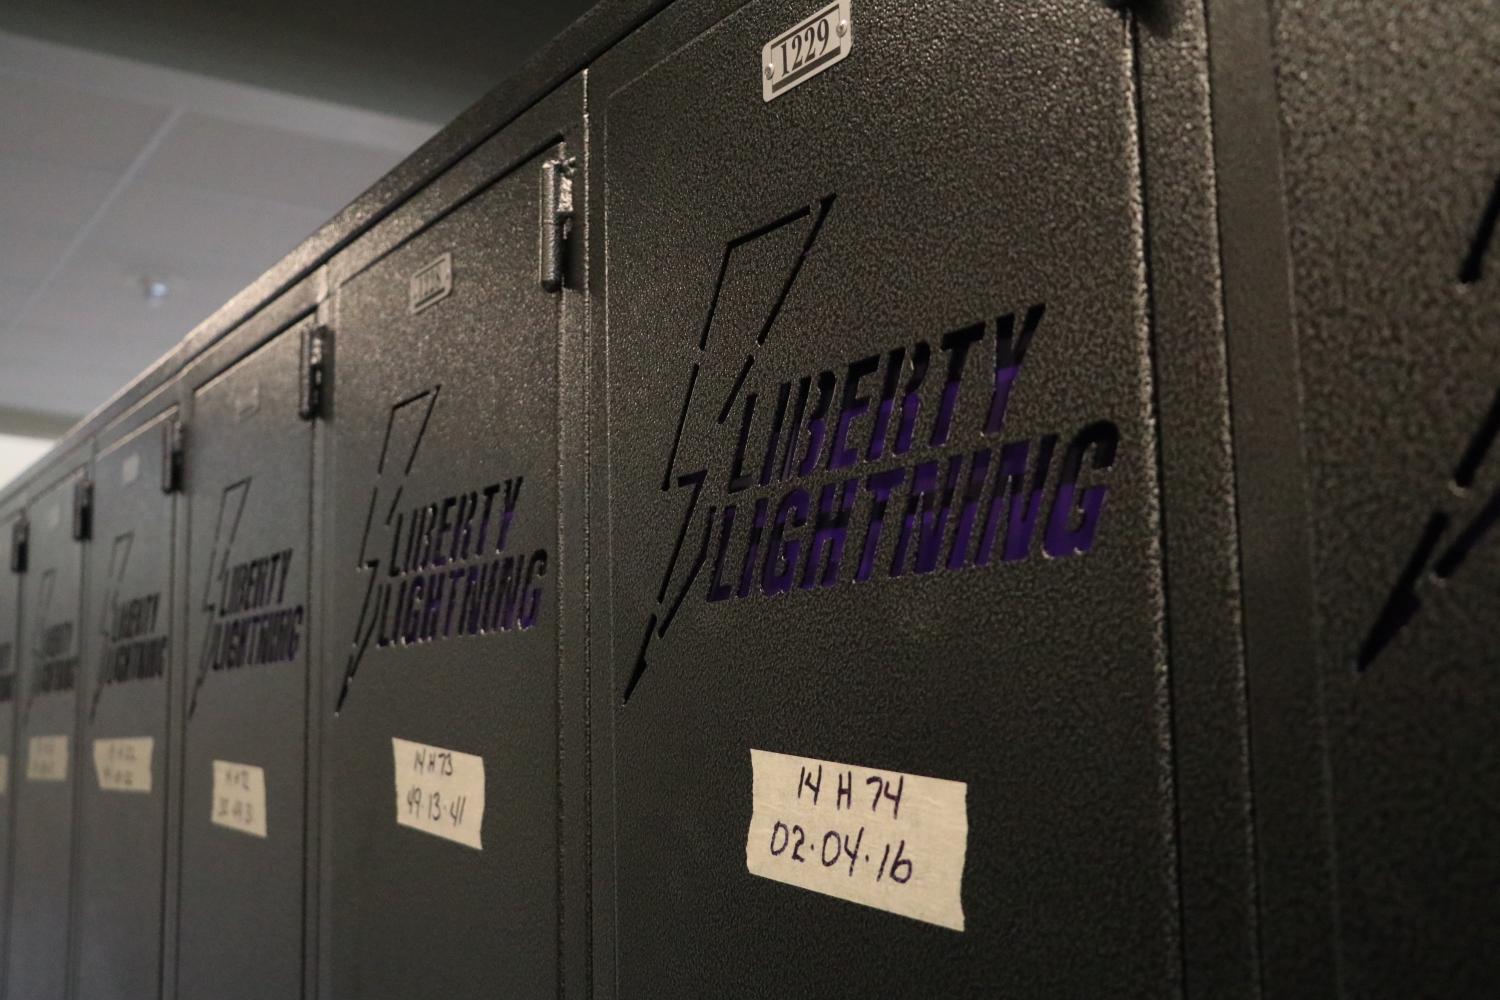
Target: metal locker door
{"points": [[245, 766], [1370, 624], [124, 741], [442, 678], [10, 690], [879, 668], [42, 829]]}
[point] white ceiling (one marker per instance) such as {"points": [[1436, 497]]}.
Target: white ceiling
{"points": [[114, 173]]}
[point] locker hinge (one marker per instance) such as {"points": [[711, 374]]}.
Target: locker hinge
{"points": [[557, 219], [172, 436], [83, 509], [314, 372], [20, 536]]}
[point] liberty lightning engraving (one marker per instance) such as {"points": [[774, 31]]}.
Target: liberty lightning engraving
{"points": [[119, 559], [41, 642], [438, 565], [879, 467], [404, 429], [226, 528], [132, 647]]}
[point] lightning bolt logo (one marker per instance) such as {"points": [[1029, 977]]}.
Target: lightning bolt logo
{"points": [[46, 585], [1405, 599], [226, 527], [1472, 268], [779, 247], [405, 429], [119, 559]]}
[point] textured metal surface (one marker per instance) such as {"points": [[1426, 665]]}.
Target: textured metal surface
{"points": [[1214, 813], [241, 897], [1283, 691], [10, 698], [1391, 164], [443, 439], [125, 679], [915, 209], [42, 811]]}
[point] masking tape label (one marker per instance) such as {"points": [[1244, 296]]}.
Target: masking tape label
{"points": [[439, 791], [239, 797], [47, 758], [886, 839], [124, 765]]}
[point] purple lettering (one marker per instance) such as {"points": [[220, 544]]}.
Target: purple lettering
{"points": [[880, 486], [853, 406], [1062, 540], [1010, 353], [830, 528], [718, 591], [911, 403], [781, 560]]}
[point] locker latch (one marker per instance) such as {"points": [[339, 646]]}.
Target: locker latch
{"points": [[171, 455], [20, 536], [314, 372], [557, 219], [83, 509]]}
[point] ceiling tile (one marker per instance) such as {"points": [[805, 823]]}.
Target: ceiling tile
{"points": [[270, 164], [185, 224], [12, 294], [26, 257], [52, 123], [42, 197], [96, 196], [98, 303], [53, 387]]}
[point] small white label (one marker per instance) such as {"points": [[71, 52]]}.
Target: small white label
{"points": [[4, 773], [439, 791], [886, 839], [47, 758], [124, 765], [239, 797], [801, 53], [130, 469]]}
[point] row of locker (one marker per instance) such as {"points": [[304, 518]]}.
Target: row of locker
{"points": [[941, 529]]}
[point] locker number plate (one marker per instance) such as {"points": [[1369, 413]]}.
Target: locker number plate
{"points": [[801, 53]]}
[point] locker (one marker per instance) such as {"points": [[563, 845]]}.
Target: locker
{"points": [[1376, 759], [811, 500], [881, 508], [245, 771], [42, 823], [443, 676], [10, 622], [124, 743]]}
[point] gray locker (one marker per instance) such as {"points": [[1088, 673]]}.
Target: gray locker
{"points": [[10, 623], [47, 752], [1375, 753], [857, 498], [124, 742], [245, 766], [443, 685], [878, 493]]}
